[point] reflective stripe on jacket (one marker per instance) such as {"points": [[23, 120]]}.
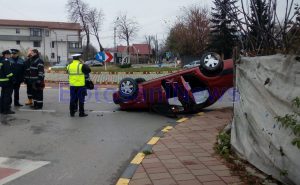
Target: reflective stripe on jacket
{"points": [[5, 71], [76, 76], [34, 70]]}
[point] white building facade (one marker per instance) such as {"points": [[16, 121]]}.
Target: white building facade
{"points": [[56, 41]]}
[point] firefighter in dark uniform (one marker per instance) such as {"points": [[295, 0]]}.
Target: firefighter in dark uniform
{"points": [[77, 72], [18, 71], [6, 83], [34, 77], [27, 78]]}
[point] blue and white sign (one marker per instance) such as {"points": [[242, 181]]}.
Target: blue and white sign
{"points": [[100, 56]]}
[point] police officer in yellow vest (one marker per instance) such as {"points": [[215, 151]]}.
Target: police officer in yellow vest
{"points": [[77, 72]]}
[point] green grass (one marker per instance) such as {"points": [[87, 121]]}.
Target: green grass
{"points": [[118, 69]]}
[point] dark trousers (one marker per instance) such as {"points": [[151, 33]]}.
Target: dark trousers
{"points": [[29, 91], [16, 93], [36, 93], [6, 98], [38, 97], [77, 95]]}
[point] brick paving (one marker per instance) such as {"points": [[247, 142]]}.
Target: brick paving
{"points": [[185, 155]]}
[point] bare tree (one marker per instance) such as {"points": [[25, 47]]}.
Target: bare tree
{"points": [[95, 18], [126, 28], [150, 39], [276, 32], [78, 11], [190, 34]]}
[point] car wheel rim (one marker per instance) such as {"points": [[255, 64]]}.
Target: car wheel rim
{"points": [[211, 61], [127, 87]]}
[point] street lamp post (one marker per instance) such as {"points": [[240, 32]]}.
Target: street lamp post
{"points": [[115, 41]]}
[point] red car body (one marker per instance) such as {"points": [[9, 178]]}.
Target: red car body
{"points": [[183, 85]]}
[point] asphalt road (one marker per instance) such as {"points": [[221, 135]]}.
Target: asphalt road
{"points": [[82, 151]]}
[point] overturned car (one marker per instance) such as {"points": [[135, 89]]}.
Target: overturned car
{"points": [[186, 91]]}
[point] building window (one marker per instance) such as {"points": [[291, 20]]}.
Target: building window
{"points": [[74, 45], [18, 42], [36, 44], [52, 44], [17, 30], [35, 32], [47, 33], [52, 55]]}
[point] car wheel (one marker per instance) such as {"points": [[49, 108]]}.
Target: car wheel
{"points": [[128, 88], [140, 80], [211, 64]]}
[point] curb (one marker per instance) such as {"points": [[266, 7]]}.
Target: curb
{"points": [[137, 160]]}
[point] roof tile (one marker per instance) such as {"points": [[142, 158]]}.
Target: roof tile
{"points": [[41, 24]]}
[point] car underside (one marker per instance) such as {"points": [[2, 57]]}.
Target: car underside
{"points": [[186, 91]]}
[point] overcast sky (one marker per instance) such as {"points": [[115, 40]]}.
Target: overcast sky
{"points": [[154, 16]]}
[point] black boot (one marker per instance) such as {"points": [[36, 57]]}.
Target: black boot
{"points": [[72, 114], [8, 112], [83, 115], [17, 104], [81, 110]]}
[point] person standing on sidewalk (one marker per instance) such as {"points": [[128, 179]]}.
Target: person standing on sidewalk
{"points": [[35, 79], [6, 83], [77, 72], [18, 71], [27, 78]]}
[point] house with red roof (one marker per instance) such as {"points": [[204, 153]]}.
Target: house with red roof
{"points": [[140, 53]]}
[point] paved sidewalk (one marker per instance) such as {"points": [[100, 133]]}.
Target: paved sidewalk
{"points": [[185, 155]]}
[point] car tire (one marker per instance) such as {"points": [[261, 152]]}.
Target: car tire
{"points": [[128, 88], [140, 80], [211, 64]]}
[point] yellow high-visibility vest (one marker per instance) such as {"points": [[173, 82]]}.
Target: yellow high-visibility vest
{"points": [[76, 76]]}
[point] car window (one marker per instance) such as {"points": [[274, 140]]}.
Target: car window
{"points": [[194, 62]]}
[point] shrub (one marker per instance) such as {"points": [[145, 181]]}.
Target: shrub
{"points": [[125, 66]]}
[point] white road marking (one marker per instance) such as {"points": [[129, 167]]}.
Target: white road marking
{"points": [[39, 110], [24, 167], [45, 87]]}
